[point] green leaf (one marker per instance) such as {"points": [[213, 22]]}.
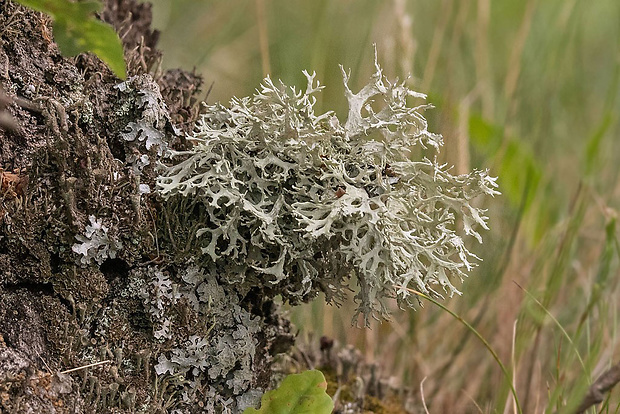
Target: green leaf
{"points": [[77, 30], [298, 394]]}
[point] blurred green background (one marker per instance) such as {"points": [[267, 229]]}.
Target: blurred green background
{"points": [[529, 89]]}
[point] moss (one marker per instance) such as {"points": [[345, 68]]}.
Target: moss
{"points": [[387, 406]]}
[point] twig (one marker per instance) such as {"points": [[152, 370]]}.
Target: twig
{"points": [[44, 363], [72, 369], [602, 385], [86, 366], [422, 394]]}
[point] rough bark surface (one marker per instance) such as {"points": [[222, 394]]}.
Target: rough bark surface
{"points": [[91, 263]]}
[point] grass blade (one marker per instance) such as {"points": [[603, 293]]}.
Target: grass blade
{"points": [[505, 371]]}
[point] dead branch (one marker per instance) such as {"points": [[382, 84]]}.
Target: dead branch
{"points": [[602, 385]]}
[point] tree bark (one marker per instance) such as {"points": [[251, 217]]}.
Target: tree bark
{"points": [[95, 270]]}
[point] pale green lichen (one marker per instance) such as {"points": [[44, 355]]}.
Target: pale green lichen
{"points": [[217, 358], [146, 99], [296, 201], [95, 244]]}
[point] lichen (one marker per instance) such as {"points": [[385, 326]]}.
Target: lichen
{"points": [[297, 202], [96, 244], [214, 356], [145, 132]]}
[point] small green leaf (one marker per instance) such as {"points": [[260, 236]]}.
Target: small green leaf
{"points": [[76, 30], [298, 394]]}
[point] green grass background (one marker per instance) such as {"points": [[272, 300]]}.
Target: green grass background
{"points": [[529, 89]]}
